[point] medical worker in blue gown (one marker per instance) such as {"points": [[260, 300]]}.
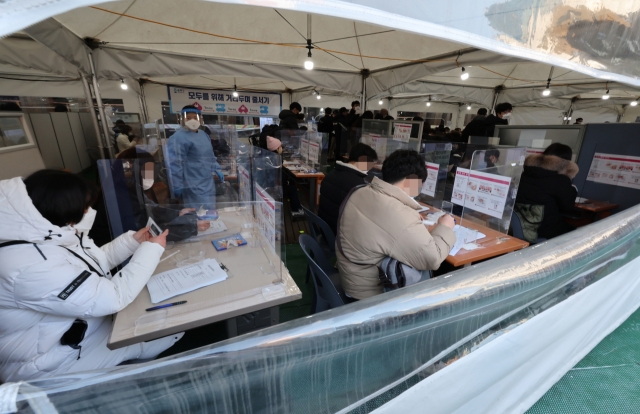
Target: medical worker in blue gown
{"points": [[192, 163]]}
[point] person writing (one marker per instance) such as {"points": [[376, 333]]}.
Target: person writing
{"points": [[382, 220], [192, 163], [546, 191], [58, 294]]}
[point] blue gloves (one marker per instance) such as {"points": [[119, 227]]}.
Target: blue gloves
{"points": [[220, 176]]}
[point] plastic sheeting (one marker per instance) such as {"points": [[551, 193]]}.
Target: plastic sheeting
{"points": [[346, 357]]}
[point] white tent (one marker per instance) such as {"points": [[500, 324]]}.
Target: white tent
{"points": [[402, 53]]}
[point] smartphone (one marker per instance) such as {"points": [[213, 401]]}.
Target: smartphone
{"points": [[154, 229]]}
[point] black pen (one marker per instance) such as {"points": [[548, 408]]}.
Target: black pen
{"points": [[166, 306]]}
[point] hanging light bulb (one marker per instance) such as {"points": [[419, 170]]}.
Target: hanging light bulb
{"points": [[468, 107], [634, 103], [429, 101], [380, 102], [465, 74], [308, 64], [235, 91], [123, 85], [606, 95], [546, 92], [319, 96]]}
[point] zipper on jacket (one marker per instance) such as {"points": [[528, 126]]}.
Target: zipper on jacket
{"points": [[88, 255], [79, 351]]}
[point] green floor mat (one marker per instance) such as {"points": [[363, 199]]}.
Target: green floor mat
{"points": [[606, 381]]}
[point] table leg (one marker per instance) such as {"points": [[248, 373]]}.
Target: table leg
{"points": [[253, 321], [312, 194]]}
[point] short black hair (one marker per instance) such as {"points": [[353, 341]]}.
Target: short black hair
{"points": [[402, 164], [336, 112], [119, 122], [503, 107], [367, 115], [327, 111], [418, 118], [189, 107], [579, 119], [355, 103], [125, 129], [61, 197], [482, 111], [362, 150], [559, 150], [295, 105], [343, 109], [492, 152]]}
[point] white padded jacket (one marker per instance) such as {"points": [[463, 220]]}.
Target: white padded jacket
{"points": [[49, 283]]}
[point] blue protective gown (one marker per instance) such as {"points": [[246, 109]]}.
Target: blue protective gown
{"points": [[191, 165]]}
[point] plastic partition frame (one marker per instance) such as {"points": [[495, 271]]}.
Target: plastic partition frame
{"points": [[360, 355], [513, 135], [490, 191], [436, 157]]}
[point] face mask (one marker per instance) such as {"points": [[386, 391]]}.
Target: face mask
{"points": [[87, 221], [507, 115], [147, 183], [357, 108], [192, 124]]}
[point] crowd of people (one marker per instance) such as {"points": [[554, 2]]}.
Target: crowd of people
{"points": [[59, 289]]}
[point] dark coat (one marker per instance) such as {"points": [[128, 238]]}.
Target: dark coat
{"points": [[326, 124], [334, 188], [475, 128], [490, 123], [546, 181], [288, 120]]}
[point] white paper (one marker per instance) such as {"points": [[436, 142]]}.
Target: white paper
{"points": [[182, 280], [314, 152], [430, 184], [423, 208], [266, 216], [461, 236], [217, 226], [304, 148], [401, 132], [618, 170]]}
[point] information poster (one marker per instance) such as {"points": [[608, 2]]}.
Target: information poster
{"points": [[314, 151], [430, 184], [304, 147], [401, 132], [244, 184], [533, 151], [480, 191], [223, 102], [266, 216], [612, 169]]}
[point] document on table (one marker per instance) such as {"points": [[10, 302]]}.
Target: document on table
{"points": [[182, 280], [462, 238], [216, 226]]}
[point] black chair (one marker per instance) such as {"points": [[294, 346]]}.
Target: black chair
{"points": [[326, 280], [321, 233], [518, 232]]}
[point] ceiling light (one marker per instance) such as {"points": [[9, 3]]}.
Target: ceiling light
{"points": [[428, 103], [235, 91], [308, 64], [319, 96], [606, 95], [465, 74], [569, 118], [123, 85], [546, 92], [380, 102], [468, 107], [634, 103]]}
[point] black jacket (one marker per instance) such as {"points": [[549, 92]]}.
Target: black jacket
{"points": [[288, 120], [334, 189], [546, 181], [490, 123], [326, 124], [475, 128]]}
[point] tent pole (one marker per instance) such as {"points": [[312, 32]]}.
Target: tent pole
{"points": [[94, 119], [103, 117], [364, 94], [142, 101]]}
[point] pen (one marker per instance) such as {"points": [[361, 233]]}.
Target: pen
{"points": [[166, 306], [172, 254]]}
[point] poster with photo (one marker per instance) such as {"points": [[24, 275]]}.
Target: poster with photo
{"points": [[314, 151], [266, 216], [480, 191], [430, 184], [304, 147], [618, 170], [244, 184]]}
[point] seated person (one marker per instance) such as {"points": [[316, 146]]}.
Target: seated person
{"points": [[125, 138], [545, 191], [290, 190], [382, 220], [57, 292], [337, 184]]}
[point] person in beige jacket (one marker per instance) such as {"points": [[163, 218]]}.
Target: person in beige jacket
{"points": [[382, 220]]}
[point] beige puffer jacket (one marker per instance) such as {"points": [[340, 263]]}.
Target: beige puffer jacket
{"points": [[382, 220]]}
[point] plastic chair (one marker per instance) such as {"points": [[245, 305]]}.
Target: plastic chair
{"points": [[326, 280], [518, 232], [319, 227]]}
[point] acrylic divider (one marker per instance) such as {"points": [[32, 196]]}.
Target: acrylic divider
{"points": [[436, 157]]}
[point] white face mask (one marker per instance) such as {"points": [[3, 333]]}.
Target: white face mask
{"points": [[507, 115], [147, 183], [87, 221], [357, 108], [192, 124]]}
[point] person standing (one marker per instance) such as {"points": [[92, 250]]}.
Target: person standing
{"points": [[289, 118], [578, 121], [502, 116], [192, 163], [475, 128]]}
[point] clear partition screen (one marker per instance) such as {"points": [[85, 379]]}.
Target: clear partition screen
{"points": [[436, 157], [487, 190]]}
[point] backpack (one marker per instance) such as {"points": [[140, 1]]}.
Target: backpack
{"points": [[392, 273]]}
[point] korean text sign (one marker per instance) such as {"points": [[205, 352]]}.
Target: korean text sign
{"points": [[214, 102]]}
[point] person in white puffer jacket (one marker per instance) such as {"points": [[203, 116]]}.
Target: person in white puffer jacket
{"points": [[56, 291]]}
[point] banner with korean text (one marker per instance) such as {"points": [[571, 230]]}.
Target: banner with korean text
{"points": [[217, 102]]}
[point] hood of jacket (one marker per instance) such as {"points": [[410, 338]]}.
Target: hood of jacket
{"points": [[20, 220], [343, 166], [286, 113], [553, 164]]}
